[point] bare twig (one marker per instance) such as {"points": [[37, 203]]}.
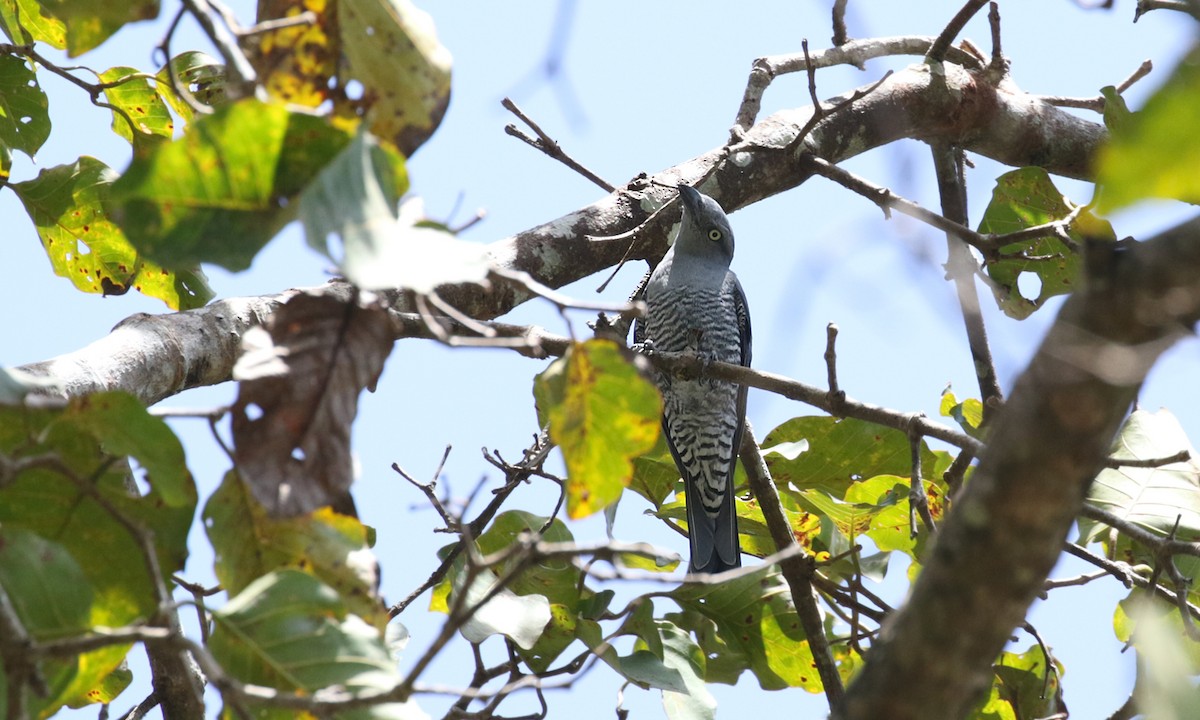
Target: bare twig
{"points": [[1181, 456], [836, 396], [853, 52], [549, 146], [1097, 103], [961, 268]]}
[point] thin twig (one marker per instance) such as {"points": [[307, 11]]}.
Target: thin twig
{"points": [[1097, 103], [1181, 456], [550, 146], [961, 268]]}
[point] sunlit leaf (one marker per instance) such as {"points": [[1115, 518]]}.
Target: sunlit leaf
{"points": [[1155, 154], [26, 21], [198, 74], [756, 615], [1025, 684], [840, 453], [392, 49], [1024, 198], [602, 414], [139, 114], [297, 62], [354, 199], [68, 205], [968, 413], [221, 191], [91, 22], [521, 618]]}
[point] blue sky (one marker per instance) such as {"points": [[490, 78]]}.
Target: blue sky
{"points": [[645, 86]]}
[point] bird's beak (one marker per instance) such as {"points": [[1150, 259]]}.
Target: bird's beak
{"points": [[691, 199]]}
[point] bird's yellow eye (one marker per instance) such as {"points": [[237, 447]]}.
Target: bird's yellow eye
{"points": [[714, 235]]}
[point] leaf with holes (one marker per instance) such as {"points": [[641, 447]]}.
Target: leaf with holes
{"points": [[24, 116], [392, 49], [602, 414], [299, 384], [1022, 199], [68, 206]]}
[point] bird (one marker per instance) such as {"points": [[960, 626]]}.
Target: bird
{"points": [[695, 303]]}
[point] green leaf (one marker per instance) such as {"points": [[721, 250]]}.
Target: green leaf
{"points": [[52, 599], [1025, 684], [196, 73], [1155, 154], [1022, 199], [26, 21], [139, 114], [602, 414], [1153, 498], [1167, 686], [755, 615], [126, 429], [220, 192], [393, 50], [655, 474], [968, 413], [24, 116], [50, 500], [840, 453], [91, 22], [1116, 113], [68, 206], [290, 631], [249, 544]]}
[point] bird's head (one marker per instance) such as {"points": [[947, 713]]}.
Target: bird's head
{"points": [[703, 230]]}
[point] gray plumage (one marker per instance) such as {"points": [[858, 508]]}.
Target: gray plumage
{"points": [[694, 302]]}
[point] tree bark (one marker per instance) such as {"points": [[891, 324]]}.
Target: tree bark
{"points": [[933, 659], [156, 357]]}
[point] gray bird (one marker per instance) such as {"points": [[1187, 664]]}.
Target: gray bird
{"points": [[694, 302]]}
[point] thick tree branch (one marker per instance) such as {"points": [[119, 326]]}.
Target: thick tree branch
{"points": [[158, 356], [933, 657]]}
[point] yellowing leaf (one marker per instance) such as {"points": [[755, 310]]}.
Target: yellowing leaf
{"points": [[67, 204], [602, 415], [394, 52]]}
